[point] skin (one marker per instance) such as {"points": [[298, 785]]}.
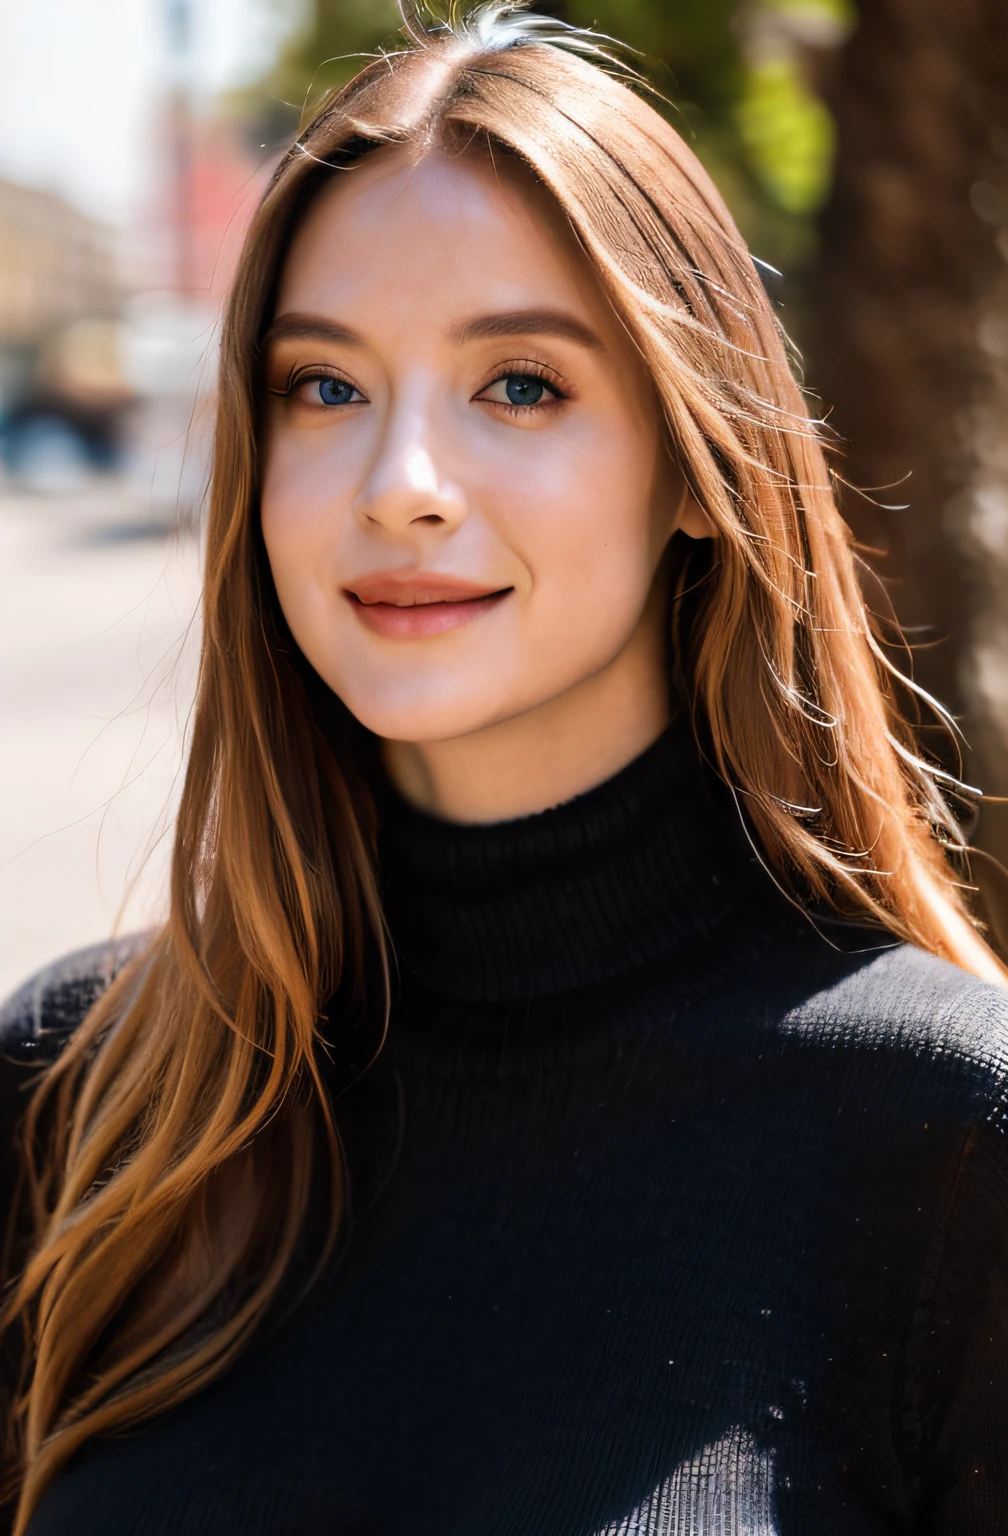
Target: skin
{"points": [[529, 534]]}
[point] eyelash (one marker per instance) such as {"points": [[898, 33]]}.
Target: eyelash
{"points": [[525, 368], [518, 368], [311, 374]]}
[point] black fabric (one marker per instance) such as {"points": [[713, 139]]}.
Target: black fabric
{"points": [[674, 1213], [40, 1018]]}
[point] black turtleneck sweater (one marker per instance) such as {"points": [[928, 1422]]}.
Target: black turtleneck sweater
{"points": [[675, 1215]]}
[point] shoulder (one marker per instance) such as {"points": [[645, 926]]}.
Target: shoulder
{"points": [[38, 1020], [941, 1032]]}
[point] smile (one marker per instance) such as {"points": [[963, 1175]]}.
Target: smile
{"points": [[411, 607]]}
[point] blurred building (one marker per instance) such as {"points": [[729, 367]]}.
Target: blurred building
{"points": [[56, 265], [107, 337], [204, 184]]}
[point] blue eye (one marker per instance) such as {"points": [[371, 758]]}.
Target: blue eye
{"points": [[524, 389], [335, 391]]}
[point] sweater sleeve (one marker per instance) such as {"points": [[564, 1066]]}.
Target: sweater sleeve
{"points": [[961, 1351]]}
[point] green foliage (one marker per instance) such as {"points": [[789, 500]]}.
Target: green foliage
{"points": [[787, 135], [331, 48], [690, 48]]}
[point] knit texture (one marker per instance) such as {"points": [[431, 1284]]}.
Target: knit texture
{"points": [[674, 1214]]}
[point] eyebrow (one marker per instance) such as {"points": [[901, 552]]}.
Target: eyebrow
{"points": [[299, 327], [529, 322], [519, 322]]}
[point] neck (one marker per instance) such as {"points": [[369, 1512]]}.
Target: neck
{"points": [[650, 869], [545, 755]]}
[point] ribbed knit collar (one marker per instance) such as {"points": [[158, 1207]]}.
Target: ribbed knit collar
{"points": [[645, 868]]}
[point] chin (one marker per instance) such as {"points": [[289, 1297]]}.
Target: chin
{"points": [[415, 714]]}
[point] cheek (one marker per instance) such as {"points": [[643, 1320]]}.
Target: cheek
{"points": [[300, 521], [583, 515], [289, 513], [306, 490]]}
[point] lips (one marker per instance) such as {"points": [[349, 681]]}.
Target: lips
{"points": [[415, 604]]}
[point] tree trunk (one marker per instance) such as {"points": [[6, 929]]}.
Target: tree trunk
{"points": [[909, 336]]}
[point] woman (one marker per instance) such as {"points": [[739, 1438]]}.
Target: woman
{"points": [[567, 1095]]}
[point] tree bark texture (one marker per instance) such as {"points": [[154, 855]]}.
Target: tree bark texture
{"points": [[909, 341]]}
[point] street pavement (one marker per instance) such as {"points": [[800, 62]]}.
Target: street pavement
{"points": [[99, 638]]}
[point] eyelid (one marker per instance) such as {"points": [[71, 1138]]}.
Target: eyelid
{"points": [[307, 373], [529, 367]]}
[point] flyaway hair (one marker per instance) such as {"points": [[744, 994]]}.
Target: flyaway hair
{"points": [[185, 1175]]}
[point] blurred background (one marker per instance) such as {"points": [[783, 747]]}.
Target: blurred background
{"points": [[863, 147]]}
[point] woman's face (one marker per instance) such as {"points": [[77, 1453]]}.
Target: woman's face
{"points": [[465, 496]]}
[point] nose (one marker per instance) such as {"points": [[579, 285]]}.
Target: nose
{"points": [[408, 487]]}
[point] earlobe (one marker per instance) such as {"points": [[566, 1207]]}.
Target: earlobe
{"points": [[691, 518]]}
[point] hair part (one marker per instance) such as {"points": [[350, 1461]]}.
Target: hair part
{"points": [[195, 1081]]}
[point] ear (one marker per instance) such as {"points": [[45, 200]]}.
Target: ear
{"points": [[691, 518]]}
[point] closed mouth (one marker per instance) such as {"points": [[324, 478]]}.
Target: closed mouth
{"points": [[408, 608], [421, 590]]}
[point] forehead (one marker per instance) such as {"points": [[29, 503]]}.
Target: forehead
{"points": [[455, 229]]}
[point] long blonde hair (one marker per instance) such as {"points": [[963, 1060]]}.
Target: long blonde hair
{"points": [[186, 1129]]}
